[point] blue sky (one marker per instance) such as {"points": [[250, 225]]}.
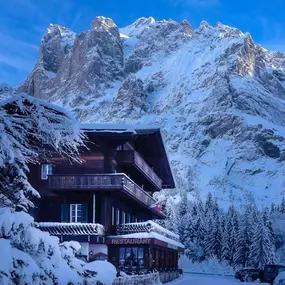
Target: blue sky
{"points": [[23, 22]]}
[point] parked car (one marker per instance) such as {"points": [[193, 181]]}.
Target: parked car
{"points": [[248, 274], [271, 271]]}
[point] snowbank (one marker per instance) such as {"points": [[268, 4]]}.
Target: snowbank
{"points": [[30, 256], [106, 271], [210, 266], [280, 279], [146, 279]]}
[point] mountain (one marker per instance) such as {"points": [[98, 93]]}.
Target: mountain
{"points": [[218, 96]]}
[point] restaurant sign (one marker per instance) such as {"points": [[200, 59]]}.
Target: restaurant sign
{"points": [[129, 241]]}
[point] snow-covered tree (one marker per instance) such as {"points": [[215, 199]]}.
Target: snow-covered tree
{"points": [[262, 249], [244, 236], [195, 233], [225, 250], [209, 204], [234, 227], [29, 256], [282, 206], [183, 215], [213, 238], [273, 208], [268, 223], [24, 123]]}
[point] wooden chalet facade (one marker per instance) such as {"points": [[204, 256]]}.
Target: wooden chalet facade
{"points": [[106, 203]]}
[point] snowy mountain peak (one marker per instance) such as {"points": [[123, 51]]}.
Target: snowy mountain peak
{"points": [[138, 26], [218, 96], [204, 25], [143, 21], [103, 23], [57, 29]]}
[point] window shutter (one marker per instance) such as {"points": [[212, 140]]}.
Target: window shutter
{"points": [[65, 209], [84, 213]]}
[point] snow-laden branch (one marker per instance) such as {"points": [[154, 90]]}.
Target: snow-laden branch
{"points": [[25, 122]]}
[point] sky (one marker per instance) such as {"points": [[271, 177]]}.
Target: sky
{"points": [[24, 22]]}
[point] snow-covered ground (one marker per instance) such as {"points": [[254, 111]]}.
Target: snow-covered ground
{"points": [[201, 279], [211, 265]]}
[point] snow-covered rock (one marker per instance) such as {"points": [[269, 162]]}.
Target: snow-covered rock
{"points": [[218, 97]]}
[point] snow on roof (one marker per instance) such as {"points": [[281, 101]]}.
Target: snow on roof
{"points": [[162, 229], [151, 235], [20, 98], [56, 228], [117, 127], [146, 227]]}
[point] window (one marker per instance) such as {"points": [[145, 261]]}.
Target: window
{"points": [[131, 256], [117, 216], [75, 213], [123, 217], [113, 215], [46, 170]]}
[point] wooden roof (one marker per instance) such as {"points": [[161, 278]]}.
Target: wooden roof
{"points": [[146, 140]]}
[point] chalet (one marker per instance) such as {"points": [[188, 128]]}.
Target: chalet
{"points": [[106, 202]]}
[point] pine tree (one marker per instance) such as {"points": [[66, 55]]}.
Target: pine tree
{"points": [[172, 217], [262, 249], [244, 237], [183, 210], [234, 227], [213, 238], [273, 208], [217, 231], [198, 232], [282, 206], [268, 223], [225, 251], [209, 204], [209, 243]]}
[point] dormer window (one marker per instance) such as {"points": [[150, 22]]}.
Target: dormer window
{"points": [[46, 170]]}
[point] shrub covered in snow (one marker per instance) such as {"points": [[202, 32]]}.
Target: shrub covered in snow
{"points": [[106, 271], [30, 256]]}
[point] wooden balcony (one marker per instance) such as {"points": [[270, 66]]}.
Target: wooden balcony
{"points": [[105, 182], [134, 158]]}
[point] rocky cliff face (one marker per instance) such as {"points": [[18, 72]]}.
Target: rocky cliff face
{"points": [[218, 97]]}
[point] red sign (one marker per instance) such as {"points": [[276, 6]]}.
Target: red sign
{"points": [[129, 241]]}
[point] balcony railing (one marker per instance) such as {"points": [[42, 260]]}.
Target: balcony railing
{"points": [[116, 181], [61, 229], [134, 157]]}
